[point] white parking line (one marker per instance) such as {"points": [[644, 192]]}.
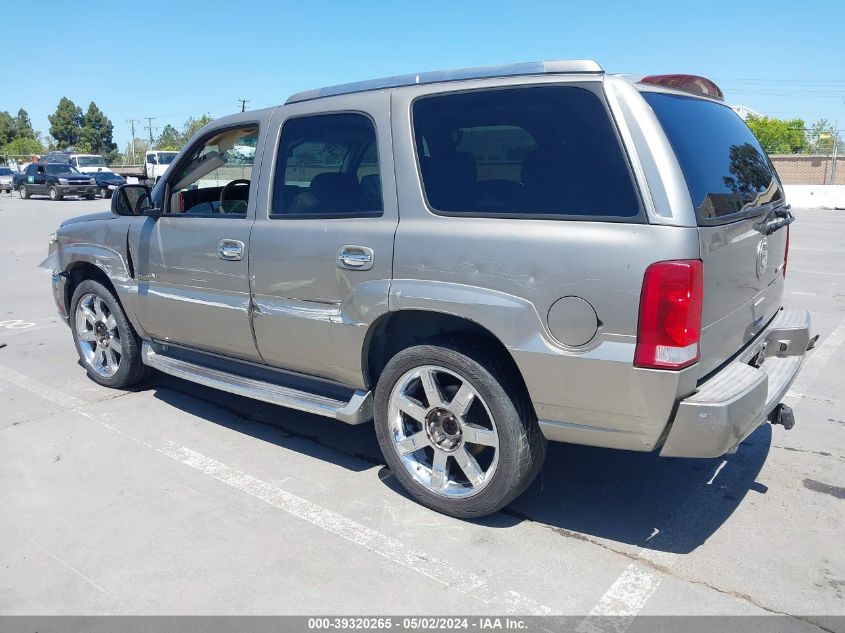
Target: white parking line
{"points": [[390, 548], [627, 596], [815, 364]]}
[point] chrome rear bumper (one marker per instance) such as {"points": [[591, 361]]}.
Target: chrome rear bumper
{"points": [[734, 402]]}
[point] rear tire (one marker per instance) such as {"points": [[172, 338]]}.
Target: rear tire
{"points": [[55, 194], [478, 450], [106, 342], [24, 192], [90, 196]]}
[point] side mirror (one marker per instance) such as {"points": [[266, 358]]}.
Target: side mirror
{"points": [[131, 200]]}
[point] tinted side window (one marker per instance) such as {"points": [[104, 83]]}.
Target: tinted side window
{"points": [[327, 167], [546, 151]]}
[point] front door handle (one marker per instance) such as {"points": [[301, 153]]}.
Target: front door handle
{"points": [[230, 250], [353, 257]]}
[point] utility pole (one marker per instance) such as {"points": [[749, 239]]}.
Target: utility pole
{"points": [[834, 137], [149, 127], [132, 123], [243, 104]]}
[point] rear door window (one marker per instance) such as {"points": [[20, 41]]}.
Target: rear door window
{"points": [[728, 174], [327, 167], [548, 151]]}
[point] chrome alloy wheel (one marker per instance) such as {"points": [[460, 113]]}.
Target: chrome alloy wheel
{"points": [[99, 338], [443, 431]]}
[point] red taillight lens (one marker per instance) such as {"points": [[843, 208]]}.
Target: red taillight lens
{"points": [[786, 251], [670, 315]]}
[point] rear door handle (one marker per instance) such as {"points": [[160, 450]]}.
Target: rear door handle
{"points": [[230, 250], [353, 257]]}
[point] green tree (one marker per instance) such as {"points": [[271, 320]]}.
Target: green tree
{"points": [[23, 126], [23, 147], [169, 139], [820, 138], [96, 133], [193, 125], [778, 136], [7, 128], [135, 157], [66, 123]]}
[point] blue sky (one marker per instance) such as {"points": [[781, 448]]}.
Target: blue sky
{"points": [[182, 58]]}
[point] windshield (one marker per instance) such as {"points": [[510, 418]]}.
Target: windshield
{"points": [[727, 172], [90, 161], [165, 158], [60, 168]]}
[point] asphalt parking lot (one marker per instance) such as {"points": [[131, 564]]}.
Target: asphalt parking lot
{"points": [[175, 499]]}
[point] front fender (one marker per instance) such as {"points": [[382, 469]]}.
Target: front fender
{"points": [[102, 244]]}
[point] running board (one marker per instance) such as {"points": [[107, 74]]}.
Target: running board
{"points": [[358, 410]]}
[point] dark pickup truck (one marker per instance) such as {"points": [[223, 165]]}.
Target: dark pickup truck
{"points": [[55, 180]]}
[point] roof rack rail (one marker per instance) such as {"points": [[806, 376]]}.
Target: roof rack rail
{"points": [[457, 74]]}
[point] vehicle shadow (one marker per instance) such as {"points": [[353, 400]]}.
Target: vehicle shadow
{"points": [[642, 499], [352, 447], [639, 499]]}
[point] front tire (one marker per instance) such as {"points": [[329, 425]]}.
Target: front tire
{"points": [[107, 344], [90, 196], [55, 194], [24, 192], [456, 427]]}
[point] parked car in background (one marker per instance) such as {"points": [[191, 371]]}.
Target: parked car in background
{"points": [[89, 163], [480, 260], [56, 180], [19, 176], [107, 182], [156, 163], [6, 179]]}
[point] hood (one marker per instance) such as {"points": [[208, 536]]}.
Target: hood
{"points": [[103, 215], [85, 177], [110, 176]]}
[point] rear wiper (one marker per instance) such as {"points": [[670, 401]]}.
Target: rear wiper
{"points": [[775, 219]]}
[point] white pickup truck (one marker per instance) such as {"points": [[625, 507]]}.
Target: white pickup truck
{"points": [[156, 163], [88, 163]]}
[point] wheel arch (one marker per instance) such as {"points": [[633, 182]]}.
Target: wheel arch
{"points": [[397, 330], [80, 270]]}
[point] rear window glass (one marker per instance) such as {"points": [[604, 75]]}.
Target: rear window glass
{"points": [[546, 151], [727, 172]]}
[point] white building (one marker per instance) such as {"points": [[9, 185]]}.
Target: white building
{"points": [[744, 111]]}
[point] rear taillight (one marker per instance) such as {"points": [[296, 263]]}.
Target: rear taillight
{"points": [[786, 251], [669, 328]]}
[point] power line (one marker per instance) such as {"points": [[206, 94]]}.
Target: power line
{"points": [[132, 123], [150, 128]]}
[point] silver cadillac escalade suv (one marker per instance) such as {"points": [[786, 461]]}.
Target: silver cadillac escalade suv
{"points": [[480, 260]]}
